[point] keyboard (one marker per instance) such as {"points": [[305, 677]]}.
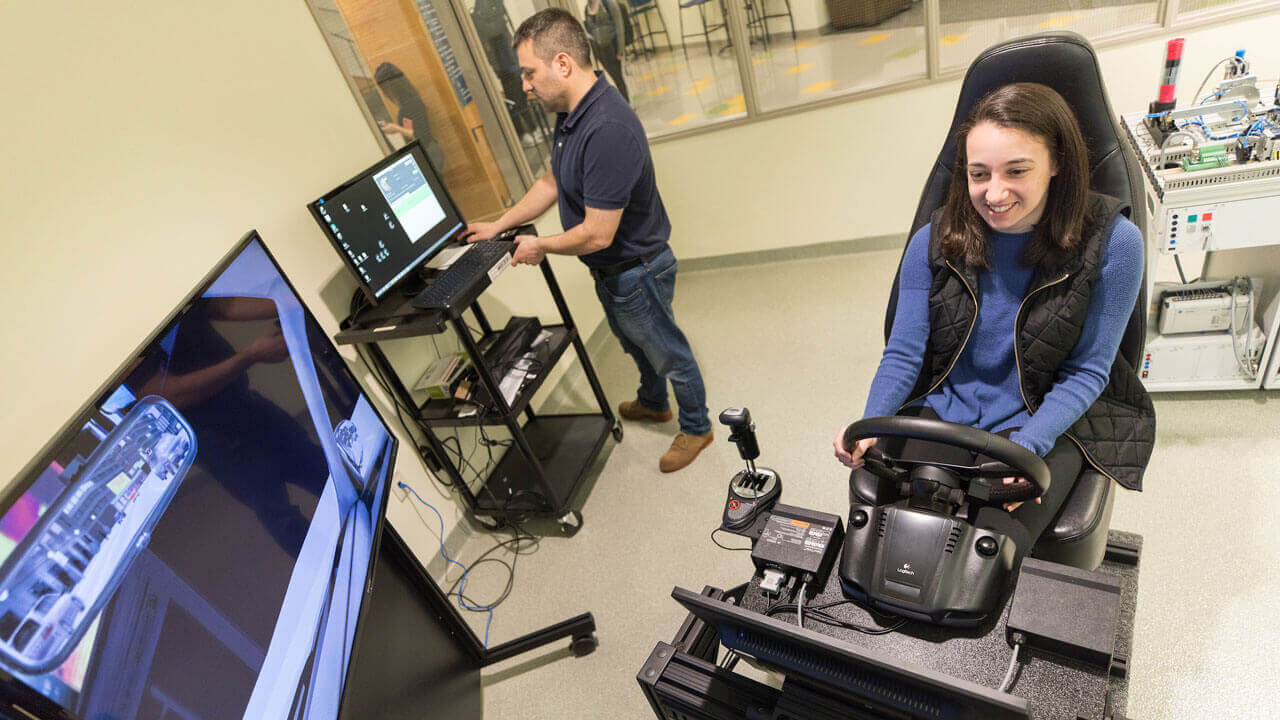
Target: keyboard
{"points": [[463, 281]]}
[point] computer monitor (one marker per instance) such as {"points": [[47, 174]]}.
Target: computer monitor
{"points": [[887, 685], [389, 220], [197, 541]]}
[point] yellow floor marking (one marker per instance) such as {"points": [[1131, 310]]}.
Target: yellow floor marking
{"points": [[877, 38], [952, 39], [819, 87], [757, 61], [739, 98], [699, 86], [648, 77], [671, 70], [802, 45], [1057, 22], [658, 91], [682, 119], [800, 68]]}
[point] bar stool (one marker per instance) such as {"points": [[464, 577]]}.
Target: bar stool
{"points": [[641, 11], [701, 5], [762, 17]]}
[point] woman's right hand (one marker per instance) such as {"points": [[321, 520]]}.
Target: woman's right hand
{"points": [[851, 458]]}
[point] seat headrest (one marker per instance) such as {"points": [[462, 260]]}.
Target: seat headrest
{"points": [[1067, 63]]}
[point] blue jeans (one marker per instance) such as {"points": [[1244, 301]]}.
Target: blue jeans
{"points": [[637, 303]]}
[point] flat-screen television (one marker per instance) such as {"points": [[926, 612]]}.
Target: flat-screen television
{"points": [[389, 220], [197, 541]]}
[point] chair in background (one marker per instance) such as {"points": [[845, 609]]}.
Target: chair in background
{"points": [[758, 18], [701, 5], [645, 27]]}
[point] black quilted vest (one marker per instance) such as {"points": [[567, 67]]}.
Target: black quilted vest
{"points": [[1117, 433]]}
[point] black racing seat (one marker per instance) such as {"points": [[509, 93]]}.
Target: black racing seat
{"points": [[1067, 63]]}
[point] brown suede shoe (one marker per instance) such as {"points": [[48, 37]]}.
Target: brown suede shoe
{"points": [[682, 451], [633, 410]]}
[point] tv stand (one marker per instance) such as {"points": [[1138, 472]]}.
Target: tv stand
{"points": [[414, 655]]}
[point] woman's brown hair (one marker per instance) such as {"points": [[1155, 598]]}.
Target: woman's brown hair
{"points": [[1042, 113]]}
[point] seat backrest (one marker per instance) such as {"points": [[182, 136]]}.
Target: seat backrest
{"points": [[1067, 63]]}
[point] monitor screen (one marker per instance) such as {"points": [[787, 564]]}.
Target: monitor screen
{"points": [[389, 219], [196, 542]]}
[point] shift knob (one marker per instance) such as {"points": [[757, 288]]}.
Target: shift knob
{"points": [[741, 431]]}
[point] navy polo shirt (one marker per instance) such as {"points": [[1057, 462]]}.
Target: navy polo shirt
{"points": [[601, 159]]}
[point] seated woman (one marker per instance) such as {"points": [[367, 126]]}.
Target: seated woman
{"points": [[1012, 304]]}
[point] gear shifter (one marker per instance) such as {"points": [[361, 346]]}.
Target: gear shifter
{"points": [[753, 490]]}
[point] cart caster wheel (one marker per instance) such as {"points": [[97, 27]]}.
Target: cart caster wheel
{"points": [[571, 523], [583, 644], [617, 432]]}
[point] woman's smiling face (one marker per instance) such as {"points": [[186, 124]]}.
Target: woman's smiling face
{"points": [[1009, 172]]}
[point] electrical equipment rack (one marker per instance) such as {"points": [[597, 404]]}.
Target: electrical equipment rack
{"points": [[1193, 212]]}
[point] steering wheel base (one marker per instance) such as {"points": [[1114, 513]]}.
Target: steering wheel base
{"points": [[924, 565]]}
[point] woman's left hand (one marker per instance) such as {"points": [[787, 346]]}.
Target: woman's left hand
{"points": [[1011, 506]]}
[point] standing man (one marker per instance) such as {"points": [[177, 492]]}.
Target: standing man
{"points": [[602, 177]]}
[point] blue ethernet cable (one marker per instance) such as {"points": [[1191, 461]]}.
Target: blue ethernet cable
{"points": [[462, 582]]}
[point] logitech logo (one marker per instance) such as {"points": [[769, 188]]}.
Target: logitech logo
{"points": [[906, 569]]}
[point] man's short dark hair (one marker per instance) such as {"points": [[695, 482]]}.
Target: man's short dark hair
{"points": [[554, 31]]}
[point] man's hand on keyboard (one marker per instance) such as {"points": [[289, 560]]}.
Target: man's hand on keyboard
{"points": [[481, 231], [528, 251]]}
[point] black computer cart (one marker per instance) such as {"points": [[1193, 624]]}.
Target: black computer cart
{"points": [[549, 455]]}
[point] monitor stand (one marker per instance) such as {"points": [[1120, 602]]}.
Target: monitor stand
{"points": [[393, 305], [409, 287], [416, 657], [409, 659]]}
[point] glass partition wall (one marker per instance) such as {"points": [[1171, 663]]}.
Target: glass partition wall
{"points": [[409, 63], [685, 66]]}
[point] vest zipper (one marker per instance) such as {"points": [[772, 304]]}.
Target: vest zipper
{"points": [[963, 343], [1017, 357], [1017, 361]]}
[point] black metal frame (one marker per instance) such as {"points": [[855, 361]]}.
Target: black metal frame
{"points": [[681, 679], [550, 453]]}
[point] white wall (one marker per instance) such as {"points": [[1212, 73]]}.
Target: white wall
{"points": [[856, 170], [139, 141]]}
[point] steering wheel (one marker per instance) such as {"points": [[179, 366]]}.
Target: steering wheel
{"points": [[1010, 458]]}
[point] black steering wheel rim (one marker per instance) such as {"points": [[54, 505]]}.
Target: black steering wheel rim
{"points": [[1021, 461]]}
